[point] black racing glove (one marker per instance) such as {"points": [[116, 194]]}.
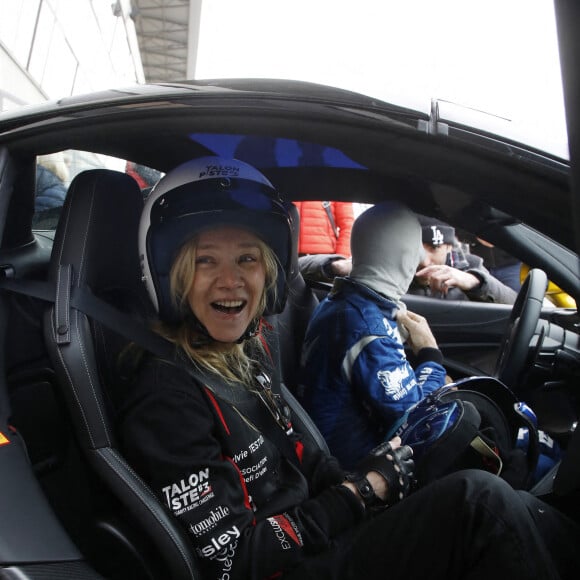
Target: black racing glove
{"points": [[396, 466]]}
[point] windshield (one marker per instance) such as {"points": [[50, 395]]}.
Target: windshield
{"points": [[491, 64]]}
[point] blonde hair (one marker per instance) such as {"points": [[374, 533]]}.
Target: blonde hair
{"points": [[231, 361]]}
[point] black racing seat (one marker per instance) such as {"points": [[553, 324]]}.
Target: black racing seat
{"points": [[289, 328], [96, 247], [290, 325]]}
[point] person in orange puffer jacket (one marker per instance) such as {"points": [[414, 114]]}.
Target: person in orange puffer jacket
{"points": [[319, 234]]}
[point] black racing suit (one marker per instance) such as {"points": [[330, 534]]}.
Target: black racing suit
{"points": [[245, 505], [257, 508]]}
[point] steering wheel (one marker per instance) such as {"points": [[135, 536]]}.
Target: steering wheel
{"points": [[520, 329]]}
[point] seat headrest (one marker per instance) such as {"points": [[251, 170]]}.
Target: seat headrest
{"points": [[97, 231]]}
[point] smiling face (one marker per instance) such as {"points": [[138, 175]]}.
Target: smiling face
{"points": [[229, 281]]}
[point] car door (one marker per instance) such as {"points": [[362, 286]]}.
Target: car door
{"points": [[468, 333]]}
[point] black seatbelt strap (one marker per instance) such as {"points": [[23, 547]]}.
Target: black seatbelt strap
{"points": [[326, 206], [62, 304], [84, 300]]}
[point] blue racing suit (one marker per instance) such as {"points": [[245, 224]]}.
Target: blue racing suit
{"points": [[356, 381]]}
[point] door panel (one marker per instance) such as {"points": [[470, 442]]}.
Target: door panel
{"points": [[468, 333]]}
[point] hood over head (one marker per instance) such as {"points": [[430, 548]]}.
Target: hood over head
{"points": [[386, 249]]}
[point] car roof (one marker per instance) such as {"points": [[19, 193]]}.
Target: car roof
{"points": [[360, 149]]}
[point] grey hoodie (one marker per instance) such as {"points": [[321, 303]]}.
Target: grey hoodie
{"points": [[386, 249]]}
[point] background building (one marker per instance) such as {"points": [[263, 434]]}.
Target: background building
{"points": [[55, 48]]}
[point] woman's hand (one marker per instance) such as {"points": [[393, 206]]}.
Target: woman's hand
{"points": [[389, 473], [420, 335], [379, 483]]}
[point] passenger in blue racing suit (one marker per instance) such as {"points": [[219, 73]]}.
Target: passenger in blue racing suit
{"points": [[356, 381], [206, 428]]}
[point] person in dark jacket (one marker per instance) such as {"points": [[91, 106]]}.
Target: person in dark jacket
{"points": [[50, 190], [209, 432], [505, 267], [51, 178], [446, 272]]}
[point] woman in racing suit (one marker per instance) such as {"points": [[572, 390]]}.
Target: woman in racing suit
{"points": [[206, 428]]}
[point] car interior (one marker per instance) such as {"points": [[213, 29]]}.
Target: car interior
{"points": [[61, 372]]}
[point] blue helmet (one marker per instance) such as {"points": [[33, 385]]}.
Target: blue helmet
{"points": [[202, 194]]}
